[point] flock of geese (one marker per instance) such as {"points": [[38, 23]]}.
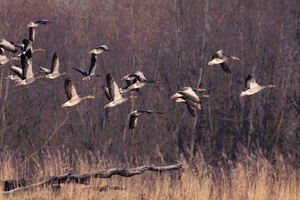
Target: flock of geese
{"points": [[24, 75]]}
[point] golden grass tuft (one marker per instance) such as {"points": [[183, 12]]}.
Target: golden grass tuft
{"points": [[250, 178]]}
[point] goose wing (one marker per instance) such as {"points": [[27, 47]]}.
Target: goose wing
{"points": [[43, 21], [31, 34], [7, 45], [82, 71], [26, 66], [189, 94], [93, 65], [17, 70], [106, 92], [103, 48], [225, 67], [140, 76], [2, 54], [149, 111], [250, 82], [190, 109], [47, 71], [112, 87], [218, 54], [133, 120], [70, 89], [55, 63]]}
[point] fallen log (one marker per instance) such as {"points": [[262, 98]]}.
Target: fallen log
{"points": [[18, 185]]}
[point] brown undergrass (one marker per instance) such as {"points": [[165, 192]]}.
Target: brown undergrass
{"points": [[248, 178]]}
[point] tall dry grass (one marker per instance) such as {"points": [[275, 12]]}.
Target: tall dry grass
{"points": [[247, 178]]}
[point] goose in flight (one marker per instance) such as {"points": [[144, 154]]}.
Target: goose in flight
{"points": [[37, 23], [188, 96], [88, 75], [54, 71], [72, 94], [114, 93], [138, 80], [220, 58], [99, 49], [27, 73], [252, 87], [134, 116]]}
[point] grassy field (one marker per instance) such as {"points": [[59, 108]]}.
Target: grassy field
{"points": [[248, 178]]}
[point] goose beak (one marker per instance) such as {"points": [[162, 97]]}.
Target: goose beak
{"points": [[173, 96]]}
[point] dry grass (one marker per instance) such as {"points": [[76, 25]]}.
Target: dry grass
{"points": [[248, 178]]}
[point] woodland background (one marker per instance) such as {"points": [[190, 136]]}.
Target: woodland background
{"points": [[170, 41]]}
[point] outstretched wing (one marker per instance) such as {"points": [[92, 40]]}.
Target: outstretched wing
{"points": [[93, 66], [55, 63], [44, 21], [47, 71], [112, 87], [106, 92], [17, 70], [133, 121], [32, 34], [70, 89], [250, 81], [82, 71], [225, 67]]}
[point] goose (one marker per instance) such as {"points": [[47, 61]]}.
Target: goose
{"points": [[188, 96], [37, 23], [252, 86], [7, 45], [54, 71], [18, 73], [188, 92], [140, 84], [27, 75], [72, 94], [134, 116], [99, 49], [138, 75], [114, 93], [138, 80], [220, 58], [92, 70]]}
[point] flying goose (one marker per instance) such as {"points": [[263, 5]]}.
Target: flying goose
{"points": [[72, 94], [27, 73], [92, 70], [18, 73], [54, 71], [252, 86], [114, 93], [220, 58], [138, 75], [134, 116], [188, 96], [37, 23], [138, 80], [99, 49]]}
